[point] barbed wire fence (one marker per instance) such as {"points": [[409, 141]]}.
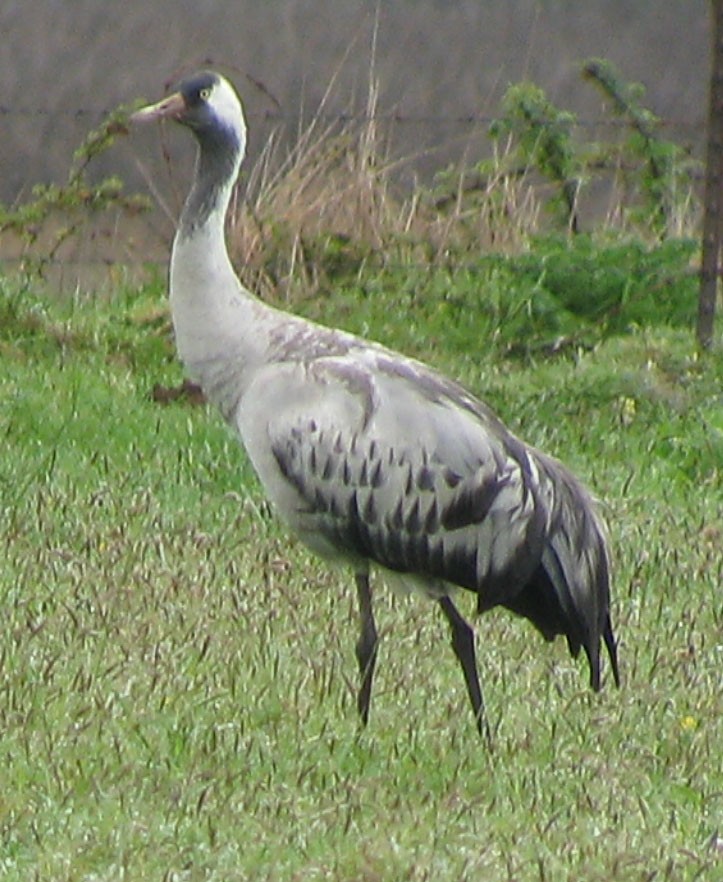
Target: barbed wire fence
{"points": [[437, 131], [472, 118]]}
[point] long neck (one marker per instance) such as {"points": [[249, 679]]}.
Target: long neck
{"points": [[217, 165], [216, 320]]}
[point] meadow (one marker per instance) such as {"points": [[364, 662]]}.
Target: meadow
{"points": [[177, 673], [177, 676]]}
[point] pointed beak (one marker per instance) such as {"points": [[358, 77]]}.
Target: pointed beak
{"points": [[171, 107]]}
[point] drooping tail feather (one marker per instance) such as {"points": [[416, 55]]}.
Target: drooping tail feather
{"points": [[569, 592]]}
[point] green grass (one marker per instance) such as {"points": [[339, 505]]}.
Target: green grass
{"points": [[177, 677]]}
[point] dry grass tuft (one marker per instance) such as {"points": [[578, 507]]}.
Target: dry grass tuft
{"points": [[331, 193], [333, 204]]}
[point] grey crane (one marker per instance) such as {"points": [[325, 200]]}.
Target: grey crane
{"points": [[371, 457]]}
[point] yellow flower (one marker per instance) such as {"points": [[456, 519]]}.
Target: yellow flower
{"points": [[628, 409], [690, 724]]}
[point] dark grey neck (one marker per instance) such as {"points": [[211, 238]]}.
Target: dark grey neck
{"points": [[216, 169]]}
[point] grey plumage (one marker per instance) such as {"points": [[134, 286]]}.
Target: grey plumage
{"points": [[371, 457]]}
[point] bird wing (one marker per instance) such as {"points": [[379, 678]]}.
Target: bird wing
{"points": [[377, 457]]}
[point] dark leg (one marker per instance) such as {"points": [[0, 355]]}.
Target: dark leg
{"points": [[366, 647], [612, 648], [463, 644]]}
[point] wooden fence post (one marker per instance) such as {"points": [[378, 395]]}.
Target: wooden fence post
{"points": [[713, 208]]}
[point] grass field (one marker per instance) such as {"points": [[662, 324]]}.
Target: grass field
{"points": [[177, 677]]}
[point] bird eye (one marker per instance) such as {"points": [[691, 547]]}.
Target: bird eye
{"points": [[204, 94]]}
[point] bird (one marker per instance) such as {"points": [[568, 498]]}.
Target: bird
{"points": [[372, 458]]}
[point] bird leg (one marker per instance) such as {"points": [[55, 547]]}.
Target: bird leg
{"points": [[463, 645], [366, 647]]}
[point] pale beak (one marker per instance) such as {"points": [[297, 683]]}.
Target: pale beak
{"points": [[171, 107]]}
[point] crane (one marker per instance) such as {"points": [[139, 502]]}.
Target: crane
{"points": [[372, 458]]}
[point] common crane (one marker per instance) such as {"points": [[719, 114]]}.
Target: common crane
{"points": [[371, 457]]}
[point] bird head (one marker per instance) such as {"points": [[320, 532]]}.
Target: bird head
{"points": [[205, 102]]}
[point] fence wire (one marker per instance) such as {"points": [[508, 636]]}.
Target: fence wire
{"points": [[341, 117]]}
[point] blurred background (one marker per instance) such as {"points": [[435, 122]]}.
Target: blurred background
{"points": [[441, 66], [438, 62]]}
